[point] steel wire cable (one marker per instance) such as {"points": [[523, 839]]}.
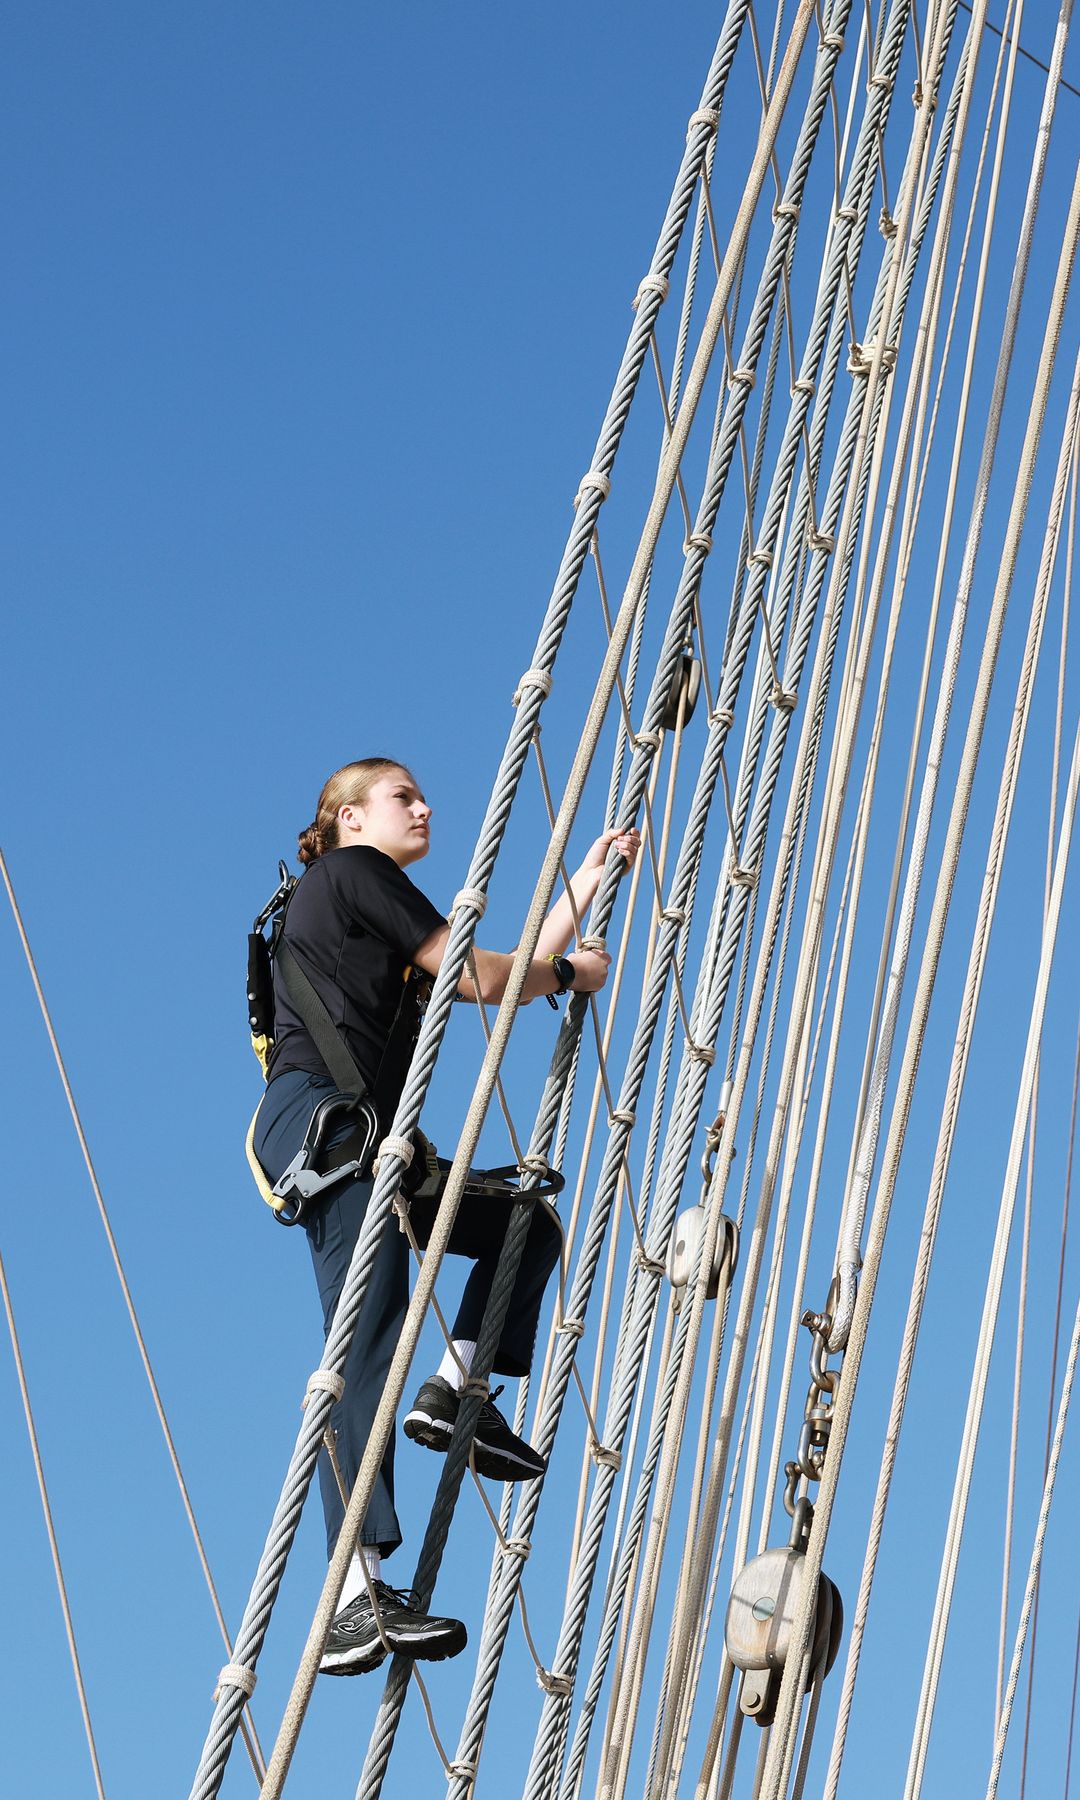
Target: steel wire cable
{"points": [[256, 1617], [968, 1007], [787, 1704]]}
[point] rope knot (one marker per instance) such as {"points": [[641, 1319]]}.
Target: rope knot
{"points": [[820, 540], [592, 478], [324, 1381], [477, 1384], [742, 378], [698, 540], [674, 915], [763, 559], [740, 877], [393, 1146], [593, 942], [804, 385], [466, 1770], [235, 1675], [848, 213], [786, 209], [650, 1265], [537, 678], [574, 1328], [833, 40], [554, 1683], [782, 698], [516, 1547], [535, 1165], [623, 1115], [474, 897], [887, 223], [651, 284], [605, 1458], [705, 115], [700, 1053], [647, 740], [722, 715]]}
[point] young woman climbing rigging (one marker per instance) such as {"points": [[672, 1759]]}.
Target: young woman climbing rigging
{"points": [[355, 926]]}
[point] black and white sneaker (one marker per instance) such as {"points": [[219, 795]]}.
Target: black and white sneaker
{"points": [[355, 1645], [497, 1451]]}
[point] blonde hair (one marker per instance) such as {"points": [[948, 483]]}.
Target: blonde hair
{"points": [[349, 786]]}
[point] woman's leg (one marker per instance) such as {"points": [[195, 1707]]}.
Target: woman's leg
{"points": [[479, 1231], [332, 1233]]}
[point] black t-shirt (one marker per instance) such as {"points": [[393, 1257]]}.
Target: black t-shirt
{"points": [[354, 924]]}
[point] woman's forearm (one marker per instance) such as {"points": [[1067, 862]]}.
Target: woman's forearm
{"points": [[558, 930]]}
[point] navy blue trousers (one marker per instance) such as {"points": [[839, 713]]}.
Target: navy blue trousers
{"points": [[332, 1234]]}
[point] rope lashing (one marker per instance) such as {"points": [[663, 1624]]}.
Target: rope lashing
{"points": [[825, 541], [623, 1115], [574, 1328], [698, 540], [554, 1683], [887, 224], [762, 559], [848, 213], [477, 1384], [722, 715], [648, 740], [537, 678], [742, 378], [701, 1053], [393, 1146], [649, 1265], [674, 915], [782, 699], [235, 1675], [651, 284], [604, 1458], [804, 385], [593, 478], [536, 1165], [743, 878], [466, 1770], [472, 896], [832, 40], [705, 115], [516, 1546], [787, 209], [594, 941], [323, 1381]]}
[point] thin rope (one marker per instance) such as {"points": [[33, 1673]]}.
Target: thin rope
{"points": [[247, 1724], [54, 1546]]}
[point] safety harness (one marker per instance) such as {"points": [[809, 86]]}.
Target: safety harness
{"points": [[315, 1168]]}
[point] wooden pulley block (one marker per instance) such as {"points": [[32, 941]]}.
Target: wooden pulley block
{"points": [[687, 679], [757, 1631], [682, 1253]]}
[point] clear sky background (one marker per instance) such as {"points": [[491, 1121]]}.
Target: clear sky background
{"points": [[311, 317]]}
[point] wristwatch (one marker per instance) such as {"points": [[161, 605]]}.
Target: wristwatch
{"points": [[564, 975]]}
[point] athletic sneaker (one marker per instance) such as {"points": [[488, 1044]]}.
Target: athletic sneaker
{"points": [[498, 1452], [354, 1644]]}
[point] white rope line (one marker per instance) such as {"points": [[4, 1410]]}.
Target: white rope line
{"points": [[954, 1087], [50, 1528], [247, 1725]]}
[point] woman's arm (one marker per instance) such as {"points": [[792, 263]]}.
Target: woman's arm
{"points": [[590, 966], [557, 931], [493, 970]]}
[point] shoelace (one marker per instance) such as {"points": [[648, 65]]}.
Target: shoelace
{"points": [[489, 1407]]}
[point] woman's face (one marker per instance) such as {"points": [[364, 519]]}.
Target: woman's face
{"points": [[394, 819]]}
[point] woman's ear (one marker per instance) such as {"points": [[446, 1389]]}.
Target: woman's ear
{"points": [[351, 819]]}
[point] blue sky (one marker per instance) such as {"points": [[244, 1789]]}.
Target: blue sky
{"points": [[312, 315]]}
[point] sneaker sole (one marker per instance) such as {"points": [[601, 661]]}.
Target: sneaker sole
{"points": [[349, 1662], [434, 1434]]}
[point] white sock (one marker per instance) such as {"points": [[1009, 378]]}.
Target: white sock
{"points": [[449, 1369], [354, 1575]]}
